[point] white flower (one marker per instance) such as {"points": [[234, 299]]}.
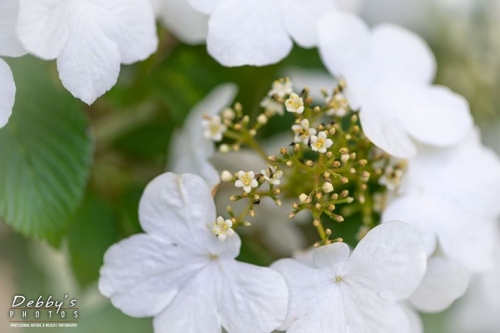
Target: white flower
{"points": [[259, 32], [321, 142], [451, 197], [338, 105], [303, 132], [181, 274], [388, 71], [272, 107], [281, 88], [189, 150], [272, 176], [358, 292], [186, 23], [10, 47], [391, 178], [213, 128], [88, 38], [223, 228], [295, 104], [246, 180]]}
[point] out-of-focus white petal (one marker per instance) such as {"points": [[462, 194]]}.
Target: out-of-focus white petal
{"points": [[9, 42], [399, 55], [327, 256], [443, 283], [133, 28], [416, 325], [432, 115], [385, 130], [188, 24], [43, 26], [300, 18], [391, 259], [249, 293], [343, 43], [130, 276], [247, 32], [7, 93], [205, 6], [190, 151], [180, 209]]}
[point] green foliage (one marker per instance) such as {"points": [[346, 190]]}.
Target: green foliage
{"points": [[45, 153]]}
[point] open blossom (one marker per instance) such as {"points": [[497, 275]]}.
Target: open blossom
{"points": [[303, 132], [338, 105], [321, 142], [295, 104], [180, 273], [272, 107], [388, 72], [89, 39], [246, 180], [281, 88], [214, 128], [272, 176], [223, 228], [10, 47], [356, 292], [190, 150]]}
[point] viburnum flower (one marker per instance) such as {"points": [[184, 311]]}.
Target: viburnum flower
{"points": [[356, 292], [246, 180], [190, 151], [214, 128], [303, 132], [272, 107], [272, 176], [388, 71], [223, 228], [89, 39], [321, 143], [186, 23], [281, 88], [9, 47], [180, 273], [295, 104], [450, 196]]}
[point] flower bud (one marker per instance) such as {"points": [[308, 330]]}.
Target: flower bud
{"points": [[327, 187], [226, 176]]}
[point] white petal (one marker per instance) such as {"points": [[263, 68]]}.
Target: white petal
{"points": [[300, 19], [432, 115], [188, 24], [252, 299], [194, 310], [328, 256], [7, 93], [180, 209], [247, 32], [443, 283], [43, 26], [132, 28], [205, 6], [399, 55], [89, 63], [391, 258], [131, 275], [416, 325], [189, 150], [9, 42], [385, 130], [343, 43]]}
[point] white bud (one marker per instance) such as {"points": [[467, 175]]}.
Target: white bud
{"points": [[226, 176], [224, 148], [327, 187], [303, 198], [262, 119], [228, 113]]}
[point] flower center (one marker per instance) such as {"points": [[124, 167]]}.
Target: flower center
{"points": [[247, 181], [319, 143]]}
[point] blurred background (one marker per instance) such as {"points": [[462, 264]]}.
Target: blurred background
{"points": [[121, 142]]}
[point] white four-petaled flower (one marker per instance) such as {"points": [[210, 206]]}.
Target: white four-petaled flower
{"points": [[181, 274], [356, 292], [246, 180], [89, 39], [320, 143]]}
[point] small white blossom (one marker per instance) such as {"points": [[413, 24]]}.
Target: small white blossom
{"points": [[295, 104], [338, 105], [272, 176], [303, 132], [214, 129], [272, 107], [356, 292], [178, 272], [327, 187], [281, 88], [223, 228], [321, 142], [391, 178], [246, 180]]}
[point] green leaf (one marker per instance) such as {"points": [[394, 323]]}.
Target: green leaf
{"points": [[89, 236], [45, 154]]}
